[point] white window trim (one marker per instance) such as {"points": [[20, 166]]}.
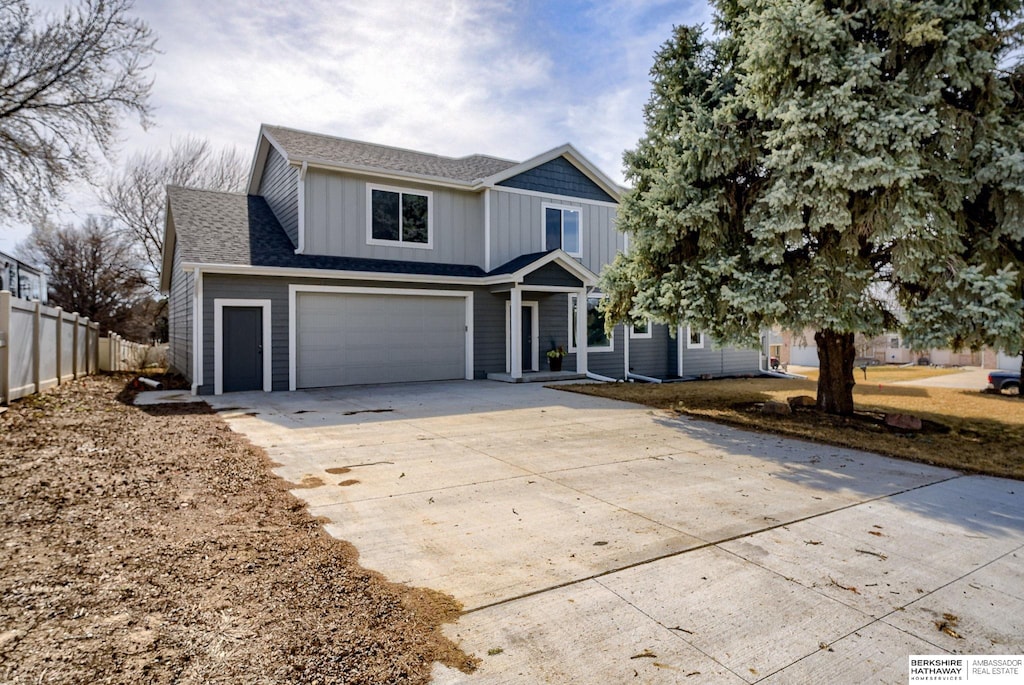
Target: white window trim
{"points": [[370, 240], [545, 206], [294, 290], [690, 345], [640, 336], [218, 341], [572, 325]]}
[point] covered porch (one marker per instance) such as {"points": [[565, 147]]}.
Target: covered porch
{"points": [[531, 280]]}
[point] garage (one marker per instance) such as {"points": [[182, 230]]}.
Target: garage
{"points": [[803, 355], [389, 336]]}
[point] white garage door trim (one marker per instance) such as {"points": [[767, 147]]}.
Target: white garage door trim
{"points": [[294, 290]]}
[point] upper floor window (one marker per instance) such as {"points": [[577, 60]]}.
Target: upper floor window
{"points": [[562, 229], [399, 216]]}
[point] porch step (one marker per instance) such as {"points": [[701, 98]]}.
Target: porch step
{"points": [[537, 377]]}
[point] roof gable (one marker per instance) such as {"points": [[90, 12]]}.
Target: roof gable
{"points": [[558, 177], [570, 156], [533, 268]]}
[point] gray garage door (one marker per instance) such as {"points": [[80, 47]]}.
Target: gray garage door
{"points": [[352, 339], [802, 355]]}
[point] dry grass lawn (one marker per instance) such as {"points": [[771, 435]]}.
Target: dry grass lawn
{"points": [[964, 429]]}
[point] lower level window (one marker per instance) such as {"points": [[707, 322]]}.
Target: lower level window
{"points": [[597, 339], [694, 338]]}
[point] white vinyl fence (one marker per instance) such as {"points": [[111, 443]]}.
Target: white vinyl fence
{"points": [[118, 354], [41, 347]]}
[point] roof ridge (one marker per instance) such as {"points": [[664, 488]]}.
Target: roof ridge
{"points": [[387, 147], [234, 193]]}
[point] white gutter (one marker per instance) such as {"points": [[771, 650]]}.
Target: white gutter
{"points": [[301, 272]]}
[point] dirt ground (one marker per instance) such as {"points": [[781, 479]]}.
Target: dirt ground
{"points": [[154, 545]]}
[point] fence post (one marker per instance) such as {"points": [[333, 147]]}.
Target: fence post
{"points": [[74, 346], [5, 346], [60, 344], [88, 348], [37, 347]]}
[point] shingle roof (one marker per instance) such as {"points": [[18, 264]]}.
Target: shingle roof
{"points": [[304, 146], [519, 262], [236, 229]]}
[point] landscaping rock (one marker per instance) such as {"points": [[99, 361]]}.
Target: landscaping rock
{"points": [[777, 408], [903, 421], [802, 401]]}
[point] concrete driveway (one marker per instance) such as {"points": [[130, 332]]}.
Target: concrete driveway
{"points": [[594, 541]]}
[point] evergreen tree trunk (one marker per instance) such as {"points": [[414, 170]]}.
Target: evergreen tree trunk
{"points": [[836, 354]]}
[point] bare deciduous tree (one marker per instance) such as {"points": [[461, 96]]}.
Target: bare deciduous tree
{"points": [[136, 197], [65, 81], [93, 270]]}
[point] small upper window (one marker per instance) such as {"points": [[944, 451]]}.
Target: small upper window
{"points": [[399, 216], [562, 229], [694, 338], [640, 329]]}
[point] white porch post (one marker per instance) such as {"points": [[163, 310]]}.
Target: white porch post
{"points": [[581, 331], [516, 332]]}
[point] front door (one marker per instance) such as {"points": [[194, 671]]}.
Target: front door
{"points": [[527, 339], [243, 348]]}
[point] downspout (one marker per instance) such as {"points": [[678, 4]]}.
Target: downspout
{"points": [[598, 377], [645, 379], [301, 218], [625, 351], [627, 374], [197, 329], [487, 230]]}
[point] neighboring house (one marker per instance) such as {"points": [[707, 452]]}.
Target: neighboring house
{"points": [[21, 279], [890, 348], [353, 263]]}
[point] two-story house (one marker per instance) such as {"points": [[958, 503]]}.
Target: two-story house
{"points": [[353, 263], [21, 279]]}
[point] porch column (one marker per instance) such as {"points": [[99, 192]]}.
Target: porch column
{"points": [[515, 345], [581, 331]]}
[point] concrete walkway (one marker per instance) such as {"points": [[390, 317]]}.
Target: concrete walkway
{"points": [[969, 378], [594, 541]]}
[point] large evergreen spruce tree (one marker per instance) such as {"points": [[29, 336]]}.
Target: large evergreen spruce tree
{"points": [[845, 167]]}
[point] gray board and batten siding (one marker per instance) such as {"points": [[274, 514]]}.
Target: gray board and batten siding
{"points": [[558, 177], [279, 186], [336, 215], [517, 222]]}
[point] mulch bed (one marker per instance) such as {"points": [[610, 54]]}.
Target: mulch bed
{"points": [[154, 545]]}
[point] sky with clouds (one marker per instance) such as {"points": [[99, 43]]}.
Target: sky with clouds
{"points": [[453, 77]]}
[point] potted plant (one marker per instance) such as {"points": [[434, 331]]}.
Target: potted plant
{"points": [[555, 355]]}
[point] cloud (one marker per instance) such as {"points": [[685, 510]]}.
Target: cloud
{"points": [[502, 77]]}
